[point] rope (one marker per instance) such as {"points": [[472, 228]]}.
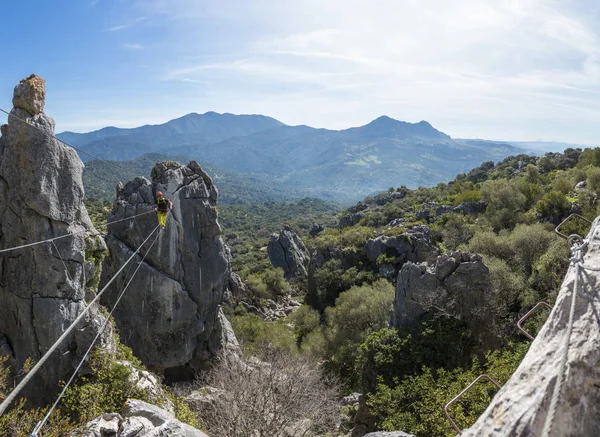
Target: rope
{"points": [[40, 424], [63, 262], [39, 364], [71, 234], [50, 135], [577, 259]]}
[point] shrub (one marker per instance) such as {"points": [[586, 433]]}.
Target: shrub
{"points": [[271, 398], [254, 334]]}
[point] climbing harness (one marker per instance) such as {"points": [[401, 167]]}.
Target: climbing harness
{"points": [[13, 394], [71, 234], [40, 424], [50, 135]]}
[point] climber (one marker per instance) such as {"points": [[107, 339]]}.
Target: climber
{"points": [[163, 206]]}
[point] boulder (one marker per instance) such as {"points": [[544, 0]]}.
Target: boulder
{"points": [[351, 219], [139, 419], [43, 288], [171, 314], [414, 245], [456, 284], [30, 95], [521, 406], [287, 251], [471, 208]]}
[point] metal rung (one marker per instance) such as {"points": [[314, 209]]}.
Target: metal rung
{"points": [[462, 393], [557, 229], [526, 316]]}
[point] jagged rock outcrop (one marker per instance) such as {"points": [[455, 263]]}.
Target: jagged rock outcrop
{"points": [[139, 419], [519, 409], [43, 288], [170, 315], [457, 284], [351, 219], [288, 252], [414, 245]]}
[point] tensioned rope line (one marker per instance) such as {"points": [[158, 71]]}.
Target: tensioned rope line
{"points": [[577, 260], [63, 261], [40, 424], [72, 233], [51, 135], [11, 397]]}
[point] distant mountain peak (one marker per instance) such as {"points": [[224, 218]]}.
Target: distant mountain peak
{"points": [[388, 126]]}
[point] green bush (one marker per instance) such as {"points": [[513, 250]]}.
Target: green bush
{"points": [[254, 333]]}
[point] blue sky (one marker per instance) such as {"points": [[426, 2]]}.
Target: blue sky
{"points": [[510, 69]]}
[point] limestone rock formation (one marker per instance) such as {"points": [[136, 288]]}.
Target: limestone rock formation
{"points": [[43, 288], [170, 315], [139, 419], [288, 252], [457, 284], [415, 245], [520, 408], [30, 95]]}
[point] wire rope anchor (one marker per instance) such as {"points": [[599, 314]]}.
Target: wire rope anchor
{"points": [[452, 422], [526, 316], [565, 221]]}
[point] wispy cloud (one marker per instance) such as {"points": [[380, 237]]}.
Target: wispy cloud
{"points": [[126, 25], [132, 46]]}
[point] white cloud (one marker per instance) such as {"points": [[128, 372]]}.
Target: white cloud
{"points": [[132, 46], [467, 66], [125, 25]]}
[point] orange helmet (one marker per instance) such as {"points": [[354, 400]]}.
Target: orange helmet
{"points": [[159, 193]]}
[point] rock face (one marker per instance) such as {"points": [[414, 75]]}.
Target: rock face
{"points": [[30, 95], [43, 288], [170, 315], [288, 252], [457, 284], [521, 405], [415, 245], [139, 419]]}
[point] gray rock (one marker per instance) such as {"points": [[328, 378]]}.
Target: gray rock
{"points": [[580, 185], [414, 245], [140, 419], [521, 406], [43, 288], [287, 251], [443, 209], [351, 219], [315, 230], [30, 95], [351, 399], [360, 206], [457, 284], [170, 315], [471, 208], [389, 434], [163, 423]]}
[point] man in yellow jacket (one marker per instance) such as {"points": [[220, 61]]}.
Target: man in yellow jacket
{"points": [[163, 206]]}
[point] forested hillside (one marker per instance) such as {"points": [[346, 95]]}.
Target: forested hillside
{"points": [[497, 221]]}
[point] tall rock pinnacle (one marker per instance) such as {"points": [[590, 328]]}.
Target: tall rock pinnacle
{"points": [[170, 315], [43, 288]]}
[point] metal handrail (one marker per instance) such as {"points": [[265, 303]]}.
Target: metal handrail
{"points": [[566, 237], [454, 425]]}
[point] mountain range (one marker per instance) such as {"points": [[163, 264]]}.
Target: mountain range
{"points": [[343, 165]]}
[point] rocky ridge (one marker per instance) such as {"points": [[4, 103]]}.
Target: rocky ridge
{"points": [[287, 251]]}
